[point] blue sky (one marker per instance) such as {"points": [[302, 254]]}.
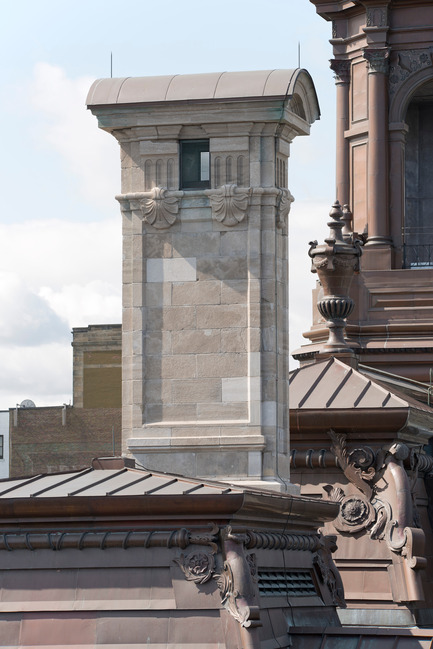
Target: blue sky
{"points": [[59, 223]]}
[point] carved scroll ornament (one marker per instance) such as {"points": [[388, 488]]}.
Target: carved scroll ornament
{"points": [[235, 581], [229, 204], [387, 513], [160, 209]]}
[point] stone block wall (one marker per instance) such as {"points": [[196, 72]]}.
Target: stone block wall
{"points": [[205, 322]]}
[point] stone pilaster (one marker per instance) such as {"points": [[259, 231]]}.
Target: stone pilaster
{"points": [[342, 80], [377, 199]]}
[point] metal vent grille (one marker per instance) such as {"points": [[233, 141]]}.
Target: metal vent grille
{"points": [[286, 583]]}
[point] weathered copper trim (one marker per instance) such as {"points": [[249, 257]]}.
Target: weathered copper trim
{"points": [[222, 508], [375, 420]]}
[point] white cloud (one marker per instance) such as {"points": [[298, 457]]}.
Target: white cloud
{"points": [[26, 318], [91, 155], [96, 302], [308, 221], [55, 253], [57, 274], [42, 373]]}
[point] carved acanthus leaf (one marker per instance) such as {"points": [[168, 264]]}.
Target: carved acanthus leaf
{"points": [[229, 204], [159, 209], [353, 473], [236, 580], [336, 494], [229, 596]]}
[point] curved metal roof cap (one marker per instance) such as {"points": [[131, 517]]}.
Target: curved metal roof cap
{"points": [[214, 85]]}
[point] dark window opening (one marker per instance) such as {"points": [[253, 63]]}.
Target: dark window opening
{"points": [[1, 446], [418, 218], [194, 164]]}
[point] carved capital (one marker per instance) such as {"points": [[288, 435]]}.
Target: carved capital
{"points": [[159, 208], [378, 59], [229, 204], [341, 70]]}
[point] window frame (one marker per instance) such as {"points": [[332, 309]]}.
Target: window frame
{"points": [[195, 183]]}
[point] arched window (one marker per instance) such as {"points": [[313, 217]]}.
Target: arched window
{"points": [[418, 208]]}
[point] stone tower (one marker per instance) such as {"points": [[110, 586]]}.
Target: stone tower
{"points": [[384, 79], [205, 205]]}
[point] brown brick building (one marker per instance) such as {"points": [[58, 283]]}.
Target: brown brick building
{"points": [[60, 438]]}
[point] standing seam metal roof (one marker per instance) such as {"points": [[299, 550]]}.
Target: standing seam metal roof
{"points": [[214, 85], [331, 384], [110, 482]]}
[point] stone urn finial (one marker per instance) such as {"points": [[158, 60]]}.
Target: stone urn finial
{"points": [[335, 262]]}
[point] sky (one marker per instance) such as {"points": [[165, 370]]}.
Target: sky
{"points": [[60, 226]]}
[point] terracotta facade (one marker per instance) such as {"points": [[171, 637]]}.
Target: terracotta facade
{"points": [[384, 73], [127, 557]]}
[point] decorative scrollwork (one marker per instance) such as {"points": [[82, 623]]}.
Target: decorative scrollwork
{"points": [[159, 209], [362, 457], [353, 473], [229, 205], [232, 601]]}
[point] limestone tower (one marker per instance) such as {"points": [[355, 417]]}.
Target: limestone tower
{"points": [[205, 205]]}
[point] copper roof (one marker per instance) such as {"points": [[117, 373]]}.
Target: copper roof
{"points": [[199, 87], [101, 480], [331, 384], [327, 394]]}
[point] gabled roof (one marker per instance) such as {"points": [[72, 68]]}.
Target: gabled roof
{"points": [[348, 399], [333, 384]]}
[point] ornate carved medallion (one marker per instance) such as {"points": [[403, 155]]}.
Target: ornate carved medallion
{"points": [[197, 566]]}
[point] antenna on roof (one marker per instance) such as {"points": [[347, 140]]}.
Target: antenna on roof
{"points": [[111, 64], [299, 54]]}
